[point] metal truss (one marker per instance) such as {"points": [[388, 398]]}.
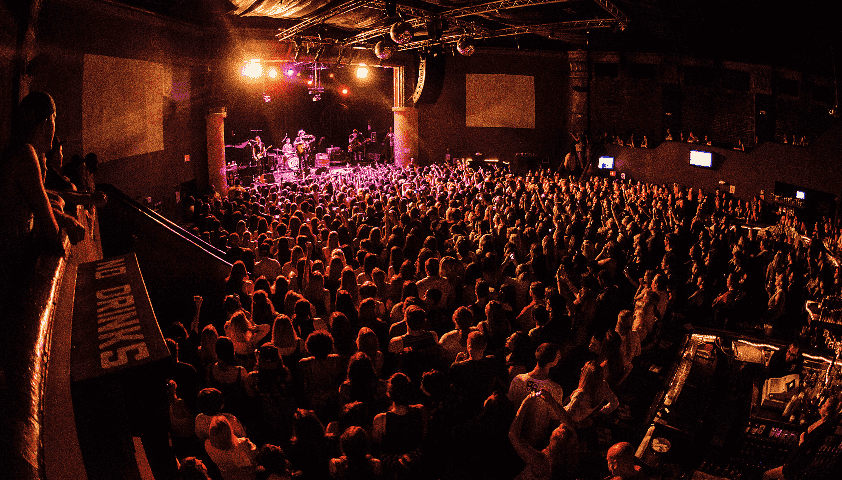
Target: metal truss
{"points": [[545, 28], [499, 5], [419, 17], [614, 11]]}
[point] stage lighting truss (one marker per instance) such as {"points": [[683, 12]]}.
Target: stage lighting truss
{"points": [[461, 26]]}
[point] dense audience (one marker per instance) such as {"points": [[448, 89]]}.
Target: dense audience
{"points": [[446, 322], [450, 323]]}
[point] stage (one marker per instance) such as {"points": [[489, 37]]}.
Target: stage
{"points": [[361, 175]]}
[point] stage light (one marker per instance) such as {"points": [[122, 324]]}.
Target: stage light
{"points": [[401, 32], [309, 81], [252, 68], [465, 46], [272, 72], [362, 71], [331, 75], [345, 91], [267, 98], [290, 72], [384, 49]]}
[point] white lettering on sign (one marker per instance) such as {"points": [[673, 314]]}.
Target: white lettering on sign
{"points": [[114, 304], [113, 292], [124, 334], [117, 320], [107, 359], [110, 268]]}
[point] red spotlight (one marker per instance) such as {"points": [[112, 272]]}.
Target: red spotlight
{"points": [[345, 91]]}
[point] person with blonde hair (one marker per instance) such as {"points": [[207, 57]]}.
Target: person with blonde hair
{"points": [[284, 336], [246, 336], [236, 457], [593, 396]]}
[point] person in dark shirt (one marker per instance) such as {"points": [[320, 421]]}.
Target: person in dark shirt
{"points": [[184, 375], [785, 361], [472, 378]]}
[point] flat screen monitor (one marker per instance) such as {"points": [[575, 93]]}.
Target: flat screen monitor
{"points": [[701, 159], [606, 163], [799, 194]]}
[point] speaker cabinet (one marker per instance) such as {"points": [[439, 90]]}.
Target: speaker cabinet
{"points": [[430, 78]]}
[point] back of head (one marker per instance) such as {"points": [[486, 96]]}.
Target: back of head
{"points": [[463, 318], [360, 369], [209, 401], [319, 344], [546, 353], [400, 389], [620, 459], [414, 316], [220, 434], [477, 341], [354, 442], [225, 350], [307, 427], [31, 112], [302, 308], [272, 460], [192, 468]]}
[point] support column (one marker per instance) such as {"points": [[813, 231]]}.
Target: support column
{"points": [[577, 120], [215, 125], [406, 135], [405, 121]]}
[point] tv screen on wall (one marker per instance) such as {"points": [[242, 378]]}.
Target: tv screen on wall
{"points": [[699, 158], [606, 163]]}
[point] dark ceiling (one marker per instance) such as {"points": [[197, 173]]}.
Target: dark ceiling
{"points": [[790, 34]]}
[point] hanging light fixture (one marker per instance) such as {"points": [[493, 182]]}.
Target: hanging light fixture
{"points": [[466, 46], [384, 49], [401, 32]]}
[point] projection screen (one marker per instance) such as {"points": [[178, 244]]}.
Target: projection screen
{"points": [[493, 100], [123, 102]]}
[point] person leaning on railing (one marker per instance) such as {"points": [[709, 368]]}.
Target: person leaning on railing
{"points": [[28, 217]]}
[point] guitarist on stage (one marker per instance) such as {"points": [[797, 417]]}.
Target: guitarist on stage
{"points": [[356, 145], [302, 146]]}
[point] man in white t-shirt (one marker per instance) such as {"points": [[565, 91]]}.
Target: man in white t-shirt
{"points": [[547, 356], [267, 266]]}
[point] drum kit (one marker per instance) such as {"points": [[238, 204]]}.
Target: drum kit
{"points": [[266, 162]]}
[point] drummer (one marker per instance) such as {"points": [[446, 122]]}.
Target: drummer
{"points": [[288, 150]]}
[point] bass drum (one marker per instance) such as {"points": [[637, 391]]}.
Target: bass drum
{"points": [[292, 161]]}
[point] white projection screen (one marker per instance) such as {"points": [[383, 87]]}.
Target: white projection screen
{"points": [[123, 104], [499, 101]]}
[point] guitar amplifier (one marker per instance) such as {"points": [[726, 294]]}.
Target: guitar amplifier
{"points": [[322, 160]]}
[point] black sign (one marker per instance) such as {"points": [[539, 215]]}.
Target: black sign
{"points": [[114, 327]]}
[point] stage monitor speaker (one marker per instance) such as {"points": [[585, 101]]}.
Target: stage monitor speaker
{"points": [[336, 155], [430, 78]]}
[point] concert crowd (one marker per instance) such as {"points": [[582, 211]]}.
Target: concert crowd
{"points": [[446, 322]]}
